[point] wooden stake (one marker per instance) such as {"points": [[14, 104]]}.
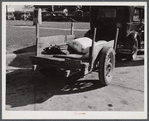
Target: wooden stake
{"points": [[37, 37], [116, 38], [92, 50], [72, 28]]}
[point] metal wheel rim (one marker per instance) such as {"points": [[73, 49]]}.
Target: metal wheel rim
{"points": [[135, 47], [108, 67]]}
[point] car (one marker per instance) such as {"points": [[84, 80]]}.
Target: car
{"points": [[129, 20], [59, 16], [26, 16], [20, 15], [10, 16], [46, 16], [78, 15]]}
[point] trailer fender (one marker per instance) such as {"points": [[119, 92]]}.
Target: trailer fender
{"points": [[96, 62]]}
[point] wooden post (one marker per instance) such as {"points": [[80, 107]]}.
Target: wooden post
{"points": [[37, 37], [37, 20], [65, 39], [52, 8], [92, 51], [116, 38], [72, 28]]}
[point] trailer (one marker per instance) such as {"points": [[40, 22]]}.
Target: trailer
{"points": [[55, 53]]}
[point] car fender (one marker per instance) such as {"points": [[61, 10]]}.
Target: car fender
{"points": [[129, 40]]}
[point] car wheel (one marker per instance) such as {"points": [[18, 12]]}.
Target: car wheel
{"points": [[134, 51], [106, 65]]}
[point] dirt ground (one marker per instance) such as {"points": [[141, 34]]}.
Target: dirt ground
{"points": [[28, 90]]}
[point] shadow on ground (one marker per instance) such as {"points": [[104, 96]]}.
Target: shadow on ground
{"points": [[129, 63], [25, 50], [25, 87], [139, 61], [22, 59]]}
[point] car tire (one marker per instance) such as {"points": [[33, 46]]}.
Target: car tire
{"points": [[106, 65], [134, 50]]}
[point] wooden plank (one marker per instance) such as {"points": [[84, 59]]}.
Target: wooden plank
{"points": [[47, 41], [44, 42], [72, 56], [56, 62], [70, 38], [46, 59]]}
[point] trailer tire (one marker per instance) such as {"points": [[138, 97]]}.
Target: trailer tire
{"points": [[106, 65], [48, 71]]}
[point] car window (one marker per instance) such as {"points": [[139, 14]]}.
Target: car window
{"points": [[136, 15], [106, 13]]}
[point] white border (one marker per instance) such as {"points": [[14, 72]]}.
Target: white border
{"points": [[69, 114]]}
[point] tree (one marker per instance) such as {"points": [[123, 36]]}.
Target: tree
{"points": [[28, 6]]}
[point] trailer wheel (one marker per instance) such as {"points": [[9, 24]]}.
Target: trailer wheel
{"points": [[48, 71], [134, 51], [106, 65]]}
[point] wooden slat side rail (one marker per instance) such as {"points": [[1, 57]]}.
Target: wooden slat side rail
{"points": [[47, 41]]}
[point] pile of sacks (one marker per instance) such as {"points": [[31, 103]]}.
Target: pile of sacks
{"points": [[80, 45]]}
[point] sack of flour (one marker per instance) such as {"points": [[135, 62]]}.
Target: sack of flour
{"points": [[81, 45]]}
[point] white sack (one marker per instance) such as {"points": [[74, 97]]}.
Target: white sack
{"points": [[81, 45]]}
